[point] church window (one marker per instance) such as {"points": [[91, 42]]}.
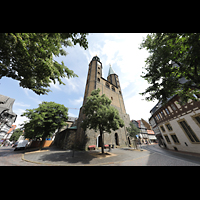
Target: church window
{"points": [[113, 89], [98, 72], [120, 92], [107, 85], [111, 98], [98, 79]]}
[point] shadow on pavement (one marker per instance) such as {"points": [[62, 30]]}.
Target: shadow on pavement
{"points": [[66, 157]]}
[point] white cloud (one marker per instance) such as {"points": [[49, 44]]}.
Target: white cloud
{"points": [[55, 86], [138, 108], [73, 85], [21, 104], [77, 102], [30, 95], [19, 119], [127, 60]]}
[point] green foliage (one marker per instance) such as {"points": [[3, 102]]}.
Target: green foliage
{"points": [[15, 136], [100, 115], [165, 50], [44, 120], [28, 58], [132, 130]]}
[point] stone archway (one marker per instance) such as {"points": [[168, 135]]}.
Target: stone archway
{"points": [[129, 141], [116, 139], [98, 141]]}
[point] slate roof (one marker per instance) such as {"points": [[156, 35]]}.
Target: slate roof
{"points": [[111, 71]]}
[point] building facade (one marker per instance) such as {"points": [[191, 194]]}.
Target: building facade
{"points": [[178, 125], [7, 117], [146, 134], [111, 88]]}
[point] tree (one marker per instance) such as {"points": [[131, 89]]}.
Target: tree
{"points": [[28, 58], [100, 115], [132, 130], [172, 56], [17, 133], [44, 120]]}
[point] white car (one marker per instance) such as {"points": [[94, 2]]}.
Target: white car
{"points": [[22, 144]]}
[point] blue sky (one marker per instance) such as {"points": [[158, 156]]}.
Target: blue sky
{"points": [[119, 50]]}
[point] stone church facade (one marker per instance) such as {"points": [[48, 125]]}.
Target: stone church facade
{"points": [[111, 88]]}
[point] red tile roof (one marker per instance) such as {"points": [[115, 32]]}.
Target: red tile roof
{"points": [[150, 132], [139, 123]]}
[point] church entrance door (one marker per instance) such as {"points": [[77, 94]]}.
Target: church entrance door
{"points": [[116, 139]]}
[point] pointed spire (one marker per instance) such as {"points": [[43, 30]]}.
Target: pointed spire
{"points": [[111, 71]]}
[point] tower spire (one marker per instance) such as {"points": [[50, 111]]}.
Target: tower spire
{"points": [[111, 71]]}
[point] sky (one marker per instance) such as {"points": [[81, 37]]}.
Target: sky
{"points": [[118, 49]]}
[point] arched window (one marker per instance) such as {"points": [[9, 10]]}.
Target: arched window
{"points": [[113, 88], [116, 139], [107, 85]]}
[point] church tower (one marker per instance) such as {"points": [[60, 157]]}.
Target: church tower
{"points": [[94, 76], [111, 88]]}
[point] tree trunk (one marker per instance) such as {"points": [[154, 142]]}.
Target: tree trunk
{"points": [[102, 141], [43, 141]]}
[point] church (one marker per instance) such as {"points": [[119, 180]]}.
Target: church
{"points": [[111, 88]]}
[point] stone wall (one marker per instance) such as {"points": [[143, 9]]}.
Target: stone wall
{"points": [[65, 139]]}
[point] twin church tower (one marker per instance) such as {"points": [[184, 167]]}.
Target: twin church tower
{"points": [[111, 88]]}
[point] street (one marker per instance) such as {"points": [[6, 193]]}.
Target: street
{"points": [[161, 157], [9, 157], [151, 155]]}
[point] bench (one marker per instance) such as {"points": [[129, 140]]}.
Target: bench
{"points": [[91, 147]]}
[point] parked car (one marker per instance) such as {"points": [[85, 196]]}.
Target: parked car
{"points": [[22, 144]]}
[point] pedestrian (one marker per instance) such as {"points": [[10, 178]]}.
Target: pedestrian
{"points": [[109, 148]]}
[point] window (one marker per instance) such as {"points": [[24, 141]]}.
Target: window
{"points": [[198, 119], [169, 127], [120, 92], [111, 98], [158, 116], [167, 111], [175, 139], [162, 113], [162, 128], [98, 79], [189, 132], [113, 89], [167, 139], [173, 107]]}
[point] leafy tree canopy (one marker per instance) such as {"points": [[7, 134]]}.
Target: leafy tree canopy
{"points": [[15, 136], [100, 115], [132, 130], [28, 58], [173, 58], [44, 120]]}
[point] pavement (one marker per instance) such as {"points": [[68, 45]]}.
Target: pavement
{"points": [[148, 155], [53, 156]]}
